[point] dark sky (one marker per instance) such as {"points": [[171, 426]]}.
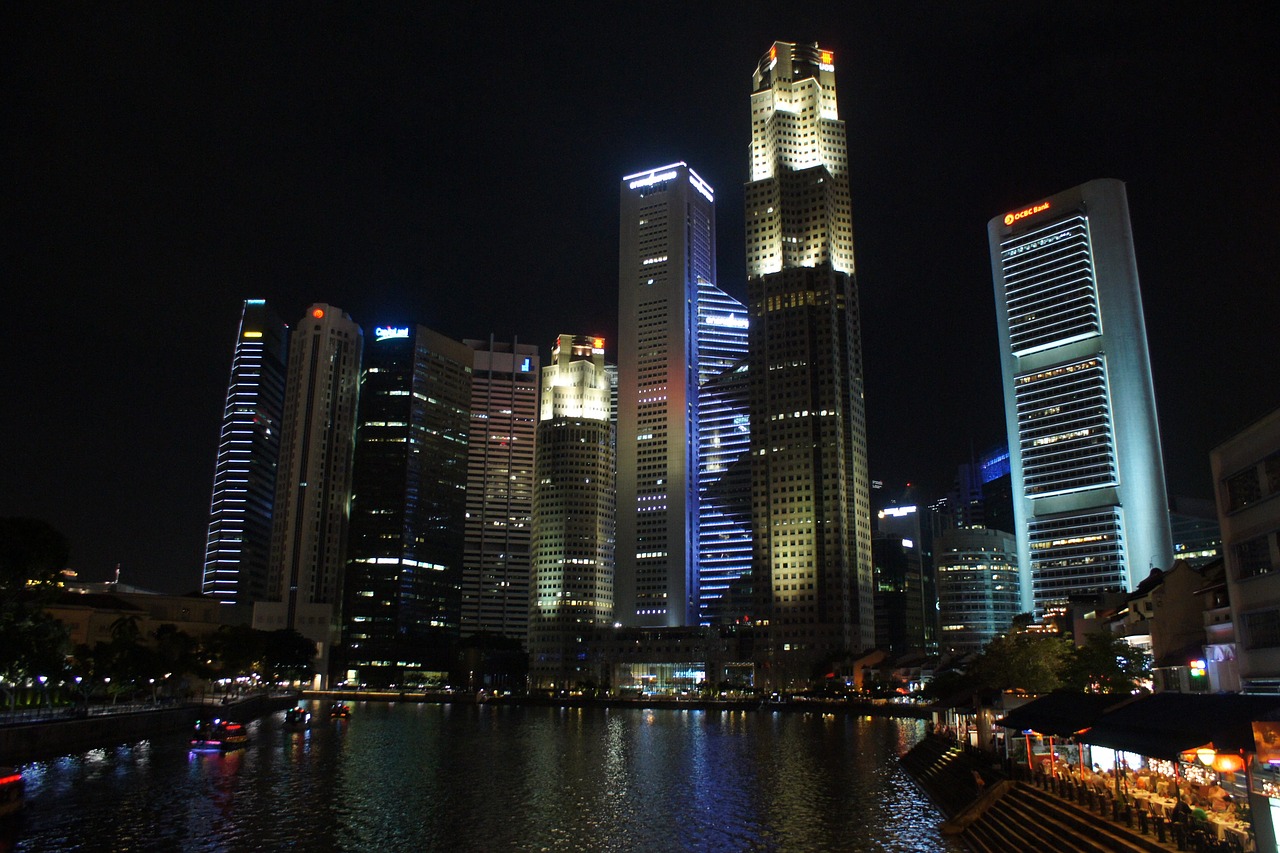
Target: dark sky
{"points": [[460, 169]]}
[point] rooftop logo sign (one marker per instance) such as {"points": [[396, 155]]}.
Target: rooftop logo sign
{"points": [[1010, 218], [383, 333]]}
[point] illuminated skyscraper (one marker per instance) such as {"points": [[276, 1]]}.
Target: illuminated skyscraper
{"points": [[504, 415], [313, 490], [238, 549], [666, 252], [574, 505], [979, 591], [812, 513], [401, 618], [724, 459], [1090, 506]]}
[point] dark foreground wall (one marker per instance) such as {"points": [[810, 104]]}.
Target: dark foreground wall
{"points": [[22, 743]]}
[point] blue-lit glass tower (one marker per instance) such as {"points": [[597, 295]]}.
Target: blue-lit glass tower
{"points": [[724, 458], [1087, 474], [238, 548]]}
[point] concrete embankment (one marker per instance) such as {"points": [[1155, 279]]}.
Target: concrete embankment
{"points": [[865, 709], [20, 743]]}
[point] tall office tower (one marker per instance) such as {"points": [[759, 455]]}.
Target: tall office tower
{"points": [[724, 458], [666, 248], [574, 520], [313, 490], [238, 549], [504, 416], [404, 566], [906, 593], [812, 514], [1084, 447], [979, 591]]}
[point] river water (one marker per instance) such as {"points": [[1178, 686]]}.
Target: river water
{"points": [[409, 777]]}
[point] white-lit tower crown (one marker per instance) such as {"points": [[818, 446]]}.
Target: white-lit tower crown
{"points": [[798, 210]]}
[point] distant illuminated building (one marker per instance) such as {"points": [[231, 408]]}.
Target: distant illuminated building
{"points": [[979, 591], [313, 491], [238, 547], [574, 514], [981, 494], [500, 455], [812, 564], [404, 567], [1193, 523], [1087, 473], [905, 593]]}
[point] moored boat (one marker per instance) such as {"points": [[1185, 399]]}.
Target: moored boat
{"points": [[339, 711], [218, 735]]}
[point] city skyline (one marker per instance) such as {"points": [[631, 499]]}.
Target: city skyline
{"points": [[168, 168]]}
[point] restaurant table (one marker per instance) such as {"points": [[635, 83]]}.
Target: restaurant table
{"points": [[1228, 827], [1157, 805]]}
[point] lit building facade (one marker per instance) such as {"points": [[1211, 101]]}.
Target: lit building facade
{"points": [[500, 458], [666, 249], [401, 610], [313, 490], [1084, 446], [906, 598], [724, 459], [979, 588], [811, 509], [1246, 476], [238, 547], [574, 514]]}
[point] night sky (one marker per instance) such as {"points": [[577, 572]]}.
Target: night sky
{"points": [[415, 163]]}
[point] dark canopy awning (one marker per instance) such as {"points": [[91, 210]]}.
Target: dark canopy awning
{"points": [[1060, 714], [1164, 725]]}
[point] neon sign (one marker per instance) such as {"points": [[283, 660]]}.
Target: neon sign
{"points": [[651, 179], [1010, 218], [384, 333], [732, 321]]}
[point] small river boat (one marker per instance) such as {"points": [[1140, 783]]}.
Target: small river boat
{"points": [[218, 735], [339, 711], [11, 790], [297, 718]]}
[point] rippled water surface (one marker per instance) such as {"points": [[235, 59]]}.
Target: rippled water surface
{"points": [[490, 778]]}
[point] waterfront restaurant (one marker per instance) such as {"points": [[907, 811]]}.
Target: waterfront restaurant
{"points": [[1165, 755]]}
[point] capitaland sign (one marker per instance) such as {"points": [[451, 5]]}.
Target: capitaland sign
{"points": [[384, 333], [1010, 218]]}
